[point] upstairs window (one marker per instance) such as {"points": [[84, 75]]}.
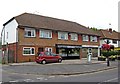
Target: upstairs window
{"points": [[93, 38], [114, 41], [74, 37], [85, 37], [7, 35], [63, 35], [45, 34], [29, 32]]}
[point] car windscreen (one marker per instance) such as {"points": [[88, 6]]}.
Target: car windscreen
{"points": [[53, 54], [47, 53], [40, 54]]}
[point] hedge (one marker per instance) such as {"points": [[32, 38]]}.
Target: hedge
{"points": [[109, 53]]}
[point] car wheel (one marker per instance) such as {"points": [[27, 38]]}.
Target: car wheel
{"points": [[59, 60], [44, 62]]}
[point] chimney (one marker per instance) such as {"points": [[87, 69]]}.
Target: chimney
{"points": [[110, 30]]}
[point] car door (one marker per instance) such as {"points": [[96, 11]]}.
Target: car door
{"points": [[49, 58], [54, 56]]}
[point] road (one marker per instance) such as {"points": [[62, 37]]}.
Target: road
{"points": [[102, 76]]}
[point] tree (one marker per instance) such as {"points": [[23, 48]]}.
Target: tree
{"points": [[94, 29]]}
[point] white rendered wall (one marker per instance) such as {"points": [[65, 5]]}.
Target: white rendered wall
{"points": [[9, 33], [111, 42]]}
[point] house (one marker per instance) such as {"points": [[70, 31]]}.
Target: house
{"points": [[119, 39], [25, 35], [111, 36]]}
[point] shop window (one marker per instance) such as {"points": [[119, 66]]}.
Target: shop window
{"points": [[73, 52], [29, 32], [45, 34], [62, 52], [28, 51]]}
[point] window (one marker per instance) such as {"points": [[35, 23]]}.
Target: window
{"points": [[93, 38], [28, 51], [63, 35], [114, 41], [107, 41], [48, 49], [29, 32], [85, 37], [45, 34], [7, 35], [74, 37]]}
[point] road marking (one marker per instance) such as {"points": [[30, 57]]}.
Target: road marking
{"points": [[29, 80], [51, 76], [45, 79], [41, 78], [14, 81], [111, 80]]}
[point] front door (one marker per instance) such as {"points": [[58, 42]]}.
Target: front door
{"points": [[40, 50]]}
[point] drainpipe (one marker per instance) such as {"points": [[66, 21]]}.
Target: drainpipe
{"points": [[3, 41], [16, 59]]}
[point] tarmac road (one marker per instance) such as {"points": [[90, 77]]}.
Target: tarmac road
{"points": [[110, 75], [60, 72], [102, 76]]}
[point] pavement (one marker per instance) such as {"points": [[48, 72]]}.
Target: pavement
{"points": [[82, 61], [67, 67]]}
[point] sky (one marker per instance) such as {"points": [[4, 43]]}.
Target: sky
{"points": [[90, 13]]}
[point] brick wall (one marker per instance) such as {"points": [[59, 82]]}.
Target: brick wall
{"points": [[41, 42]]}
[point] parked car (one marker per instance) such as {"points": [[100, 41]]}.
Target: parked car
{"points": [[46, 57]]}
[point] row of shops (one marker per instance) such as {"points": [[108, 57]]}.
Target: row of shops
{"points": [[75, 51], [26, 53]]}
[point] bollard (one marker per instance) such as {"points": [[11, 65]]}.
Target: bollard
{"points": [[108, 62]]}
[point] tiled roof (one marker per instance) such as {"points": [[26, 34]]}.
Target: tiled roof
{"points": [[38, 21], [107, 34]]}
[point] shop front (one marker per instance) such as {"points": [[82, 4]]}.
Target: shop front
{"points": [[68, 51], [95, 50]]}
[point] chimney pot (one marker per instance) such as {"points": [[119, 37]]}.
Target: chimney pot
{"points": [[110, 30]]}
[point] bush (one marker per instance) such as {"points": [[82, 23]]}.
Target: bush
{"points": [[101, 58], [110, 53], [113, 57]]}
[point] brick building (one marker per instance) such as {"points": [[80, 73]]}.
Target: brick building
{"points": [[27, 34]]}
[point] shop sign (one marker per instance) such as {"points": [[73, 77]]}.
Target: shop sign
{"points": [[68, 46]]}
